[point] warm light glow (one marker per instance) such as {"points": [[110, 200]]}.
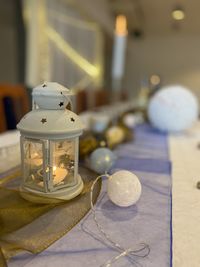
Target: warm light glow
{"points": [[154, 79], [54, 168], [71, 53], [121, 25], [178, 14], [59, 175]]}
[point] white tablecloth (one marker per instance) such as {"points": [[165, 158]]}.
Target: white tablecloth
{"points": [[185, 157], [9, 150]]}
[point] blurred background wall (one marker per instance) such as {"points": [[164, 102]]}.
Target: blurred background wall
{"points": [[176, 59], [12, 42], [35, 35]]}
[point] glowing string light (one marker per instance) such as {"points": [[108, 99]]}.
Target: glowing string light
{"points": [[178, 14], [71, 53]]}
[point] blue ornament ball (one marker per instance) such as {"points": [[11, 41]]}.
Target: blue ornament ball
{"points": [[101, 160]]}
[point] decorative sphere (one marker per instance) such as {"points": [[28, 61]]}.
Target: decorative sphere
{"points": [[101, 160], [124, 188], [173, 109], [115, 135], [132, 119], [99, 122]]}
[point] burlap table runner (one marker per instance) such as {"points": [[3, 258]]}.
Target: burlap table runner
{"points": [[26, 226]]}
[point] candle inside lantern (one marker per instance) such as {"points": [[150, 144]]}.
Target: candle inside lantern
{"points": [[59, 174], [54, 170]]}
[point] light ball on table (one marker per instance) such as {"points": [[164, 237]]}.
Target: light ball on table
{"points": [[114, 135], [173, 109], [99, 122], [124, 188], [101, 160], [133, 119]]}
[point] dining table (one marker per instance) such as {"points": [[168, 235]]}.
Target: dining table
{"points": [[166, 217]]}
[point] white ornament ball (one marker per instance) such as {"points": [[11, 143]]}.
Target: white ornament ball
{"points": [[173, 109], [124, 188], [133, 119]]}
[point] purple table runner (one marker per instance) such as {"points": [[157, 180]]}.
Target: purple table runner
{"points": [[149, 221]]}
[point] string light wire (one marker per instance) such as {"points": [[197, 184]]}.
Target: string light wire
{"points": [[142, 252]]}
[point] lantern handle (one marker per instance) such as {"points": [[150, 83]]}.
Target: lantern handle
{"points": [[70, 103], [34, 105]]}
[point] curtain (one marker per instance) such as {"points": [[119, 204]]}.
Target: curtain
{"points": [[62, 45]]}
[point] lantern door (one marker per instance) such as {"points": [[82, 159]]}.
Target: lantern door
{"points": [[33, 163], [64, 163]]}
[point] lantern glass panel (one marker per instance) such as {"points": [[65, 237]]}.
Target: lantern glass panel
{"points": [[63, 162], [33, 164]]}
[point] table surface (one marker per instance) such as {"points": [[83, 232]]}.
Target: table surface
{"points": [[185, 156], [149, 157]]}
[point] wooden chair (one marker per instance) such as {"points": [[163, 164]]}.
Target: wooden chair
{"points": [[18, 100], [101, 98], [91, 99], [81, 101]]}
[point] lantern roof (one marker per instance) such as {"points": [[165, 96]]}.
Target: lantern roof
{"points": [[51, 95], [51, 123], [51, 119], [49, 88]]}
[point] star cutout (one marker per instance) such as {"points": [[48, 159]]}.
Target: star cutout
{"points": [[61, 93], [61, 104], [72, 119], [43, 120], [44, 85], [198, 185]]}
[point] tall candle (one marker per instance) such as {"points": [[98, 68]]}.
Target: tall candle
{"points": [[119, 51]]}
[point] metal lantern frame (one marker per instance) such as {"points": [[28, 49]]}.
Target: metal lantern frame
{"points": [[46, 126]]}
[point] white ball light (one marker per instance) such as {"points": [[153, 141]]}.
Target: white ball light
{"points": [[133, 119], [124, 188], [173, 109]]}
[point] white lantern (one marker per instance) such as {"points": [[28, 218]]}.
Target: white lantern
{"points": [[49, 147]]}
